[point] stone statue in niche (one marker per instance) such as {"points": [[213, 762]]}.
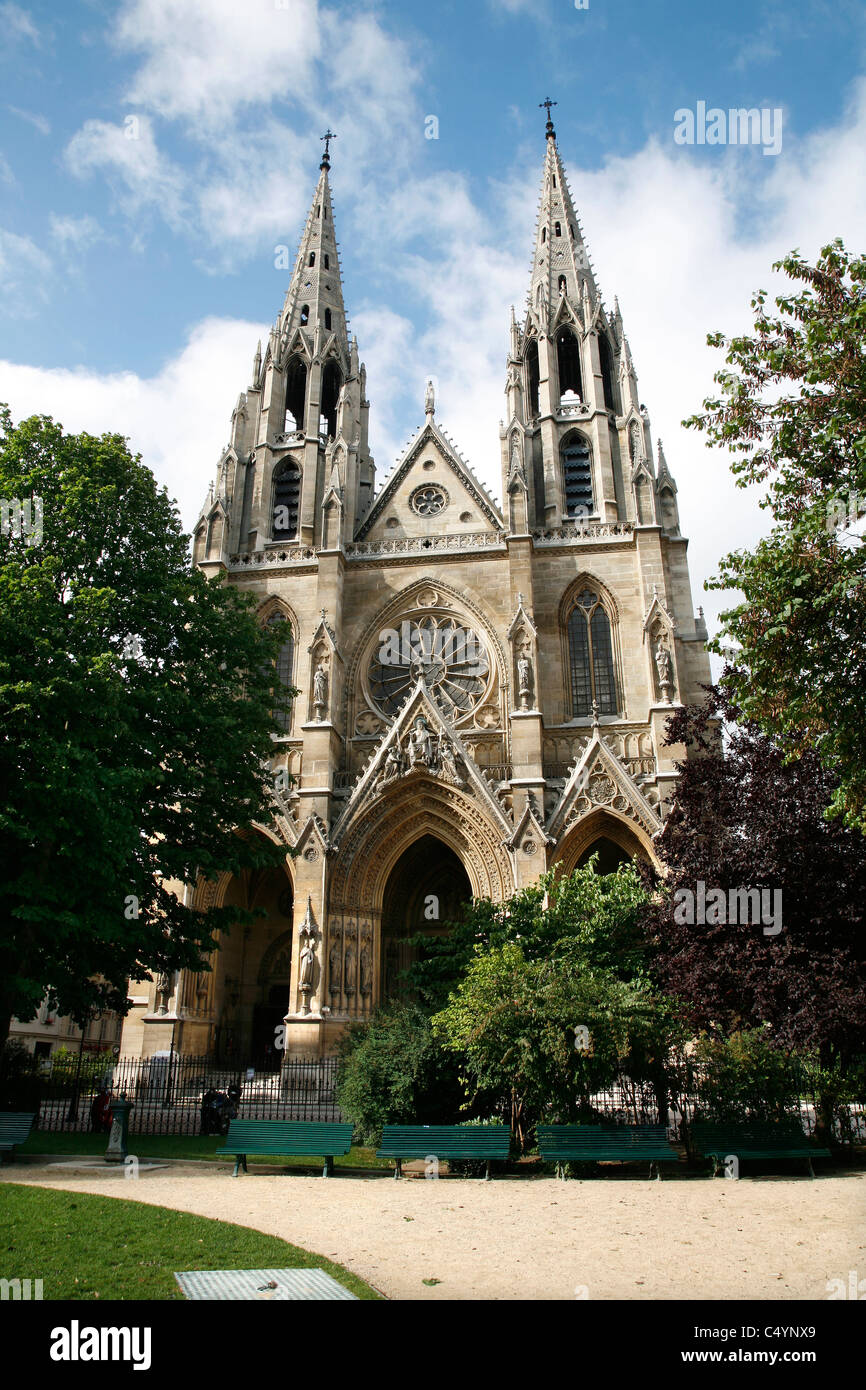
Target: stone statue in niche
{"points": [[392, 766], [366, 971], [524, 679], [164, 988], [320, 693], [665, 669], [307, 971], [334, 969], [349, 964]]}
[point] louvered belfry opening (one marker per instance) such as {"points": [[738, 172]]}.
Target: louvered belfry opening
{"points": [[577, 476]]}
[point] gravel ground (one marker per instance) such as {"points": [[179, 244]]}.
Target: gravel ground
{"points": [[519, 1238]]}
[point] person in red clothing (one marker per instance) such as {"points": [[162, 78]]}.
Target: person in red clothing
{"points": [[100, 1111]]}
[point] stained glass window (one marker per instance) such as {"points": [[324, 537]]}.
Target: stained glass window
{"points": [[590, 656], [283, 669]]}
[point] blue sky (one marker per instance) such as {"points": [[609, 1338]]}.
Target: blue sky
{"points": [[136, 273]]}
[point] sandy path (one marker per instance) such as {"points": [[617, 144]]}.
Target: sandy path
{"points": [[767, 1238]]}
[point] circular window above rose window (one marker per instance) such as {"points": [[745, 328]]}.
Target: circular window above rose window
{"points": [[450, 657]]}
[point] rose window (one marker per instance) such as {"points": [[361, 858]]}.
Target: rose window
{"points": [[429, 500], [450, 658]]}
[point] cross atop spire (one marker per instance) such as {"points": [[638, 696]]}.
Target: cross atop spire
{"points": [[550, 132], [328, 136]]}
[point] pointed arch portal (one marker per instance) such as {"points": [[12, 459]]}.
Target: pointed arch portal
{"points": [[424, 892]]}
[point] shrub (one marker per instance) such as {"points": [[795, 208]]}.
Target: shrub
{"points": [[391, 1070], [744, 1076]]}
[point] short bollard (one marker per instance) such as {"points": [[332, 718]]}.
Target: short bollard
{"points": [[117, 1139]]}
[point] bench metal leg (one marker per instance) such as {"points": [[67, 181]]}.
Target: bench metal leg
{"points": [[398, 1167], [811, 1169], [487, 1172], [240, 1159], [329, 1166]]}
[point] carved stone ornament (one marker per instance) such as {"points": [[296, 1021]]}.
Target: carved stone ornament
{"points": [[601, 789], [421, 751]]}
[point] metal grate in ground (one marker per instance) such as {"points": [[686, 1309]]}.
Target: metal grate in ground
{"points": [[253, 1284]]}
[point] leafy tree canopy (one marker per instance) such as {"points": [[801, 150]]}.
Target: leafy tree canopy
{"points": [[792, 409], [135, 708], [745, 816], [545, 1034], [598, 912]]}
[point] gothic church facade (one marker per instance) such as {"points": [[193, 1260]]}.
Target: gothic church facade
{"points": [[483, 690]]}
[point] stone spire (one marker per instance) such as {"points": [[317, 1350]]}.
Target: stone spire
{"points": [[558, 253], [314, 299]]}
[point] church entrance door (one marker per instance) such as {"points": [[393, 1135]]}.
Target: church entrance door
{"points": [[424, 893]]}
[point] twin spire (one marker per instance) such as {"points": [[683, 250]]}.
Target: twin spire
{"points": [[315, 295], [560, 266]]}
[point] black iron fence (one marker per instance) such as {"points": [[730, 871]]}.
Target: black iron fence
{"points": [[167, 1092]]}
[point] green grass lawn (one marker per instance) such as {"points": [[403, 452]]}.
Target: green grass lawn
{"points": [[190, 1146], [85, 1247]]}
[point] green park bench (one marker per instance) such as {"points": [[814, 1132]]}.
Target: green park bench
{"points": [[14, 1129], [479, 1142], [286, 1137], [561, 1144], [762, 1139]]}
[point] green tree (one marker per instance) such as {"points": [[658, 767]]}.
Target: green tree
{"points": [[600, 912], [792, 409], [135, 708], [542, 1035]]}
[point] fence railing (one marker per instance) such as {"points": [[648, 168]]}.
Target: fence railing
{"points": [[167, 1093]]}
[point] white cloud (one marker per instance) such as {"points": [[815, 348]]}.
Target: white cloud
{"points": [[75, 233], [128, 155], [261, 189], [17, 24], [25, 271], [170, 418], [41, 123], [205, 59]]}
